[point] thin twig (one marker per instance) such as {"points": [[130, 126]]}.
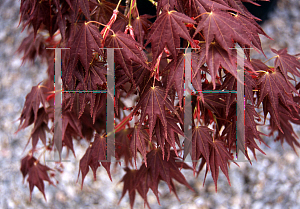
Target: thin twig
{"points": [[127, 7]]}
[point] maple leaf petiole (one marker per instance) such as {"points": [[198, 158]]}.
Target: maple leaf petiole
{"points": [[132, 6], [43, 153], [153, 2], [118, 4], [123, 122], [111, 21], [100, 24], [39, 86], [201, 15], [271, 59]]}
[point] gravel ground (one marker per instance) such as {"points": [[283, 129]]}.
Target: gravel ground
{"points": [[271, 182]]}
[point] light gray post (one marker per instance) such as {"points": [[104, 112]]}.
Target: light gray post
{"points": [[57, 107], [240, 126], [188, 116], [110, 104]]}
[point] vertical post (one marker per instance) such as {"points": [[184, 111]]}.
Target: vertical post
{"points": [[57, 138], [188, 116], [240, 126], [110, 104], [57, 105]]}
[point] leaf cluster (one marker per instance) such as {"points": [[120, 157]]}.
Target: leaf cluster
{"points": [[150, 61]]}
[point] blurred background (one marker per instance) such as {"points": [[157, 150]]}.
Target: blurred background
{"points": [[271, 182]]}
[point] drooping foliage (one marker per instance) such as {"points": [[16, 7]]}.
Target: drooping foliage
{"points": [[150, 67]]}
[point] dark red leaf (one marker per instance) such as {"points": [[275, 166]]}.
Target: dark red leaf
{"points": [[31, 106], [201, 143], [153, 104], [139, 141], [274, 86], [128, 51], [223, 28], [86, 40], [167, 30], [286, 63], [219, 157], [37, 173], [95, 154]]}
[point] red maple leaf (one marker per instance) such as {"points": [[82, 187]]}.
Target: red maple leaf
{"points": [[218, 56], [37, 173], [95, 154], [32, 103], [140, 27], [149, 177], [286, 63], [274, 86], [224, 28], [198, 7], [40, 128], [86, 40], [129, 180], [104, 10], [251, 132], [172, 138], [176, 74], [122, 144], [201, 143], [166, 32], [219, 157], [128, 51], [139, 141], [153, 104], [239, 6], [288, 133], [162, 3], [83, 5]]}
